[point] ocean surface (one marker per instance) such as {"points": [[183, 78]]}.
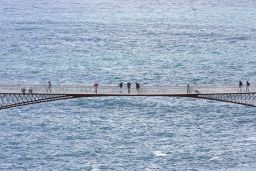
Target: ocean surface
{"points": [[153, 42]]}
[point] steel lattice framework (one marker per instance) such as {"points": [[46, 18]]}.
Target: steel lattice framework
{"points": [[248, 99], [16, 95], [10, 100]]}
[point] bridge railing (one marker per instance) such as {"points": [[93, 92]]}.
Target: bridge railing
{"points": [[114, 89]]}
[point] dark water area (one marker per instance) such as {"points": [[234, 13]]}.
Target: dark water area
{"points": [[210, 42]]}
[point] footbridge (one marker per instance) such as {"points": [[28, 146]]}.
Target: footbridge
{"points": [[20, 95]]}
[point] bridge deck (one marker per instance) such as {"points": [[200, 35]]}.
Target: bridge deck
{"points": [[114, 90]]}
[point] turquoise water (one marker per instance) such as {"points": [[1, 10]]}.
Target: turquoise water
{"points": [[151, 42]]}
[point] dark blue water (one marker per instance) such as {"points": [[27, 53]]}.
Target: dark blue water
{"points": [[151, 42]]}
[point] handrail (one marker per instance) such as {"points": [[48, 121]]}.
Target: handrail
{"points": [[114, 89]]}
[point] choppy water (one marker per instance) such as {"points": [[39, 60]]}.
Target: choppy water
{"points": [[152, 42]]}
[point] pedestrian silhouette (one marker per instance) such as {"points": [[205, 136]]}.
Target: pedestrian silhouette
{"points": [[129, 87], [240, 85], [121, 86], [188, 89], [49, 88], [247, 86], [23, 90], [96, 85], [137, 87]]}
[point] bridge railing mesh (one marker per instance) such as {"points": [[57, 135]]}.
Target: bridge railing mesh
{"points": [[115, 89]]}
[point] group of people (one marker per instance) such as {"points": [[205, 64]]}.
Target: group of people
{"points": [[189, 89], [30, 90], [23, 90], [241, 86], [121, 85], [96, 86], [137, 85]]}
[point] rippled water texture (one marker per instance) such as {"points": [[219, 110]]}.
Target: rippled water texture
{"points": [[151, 42]]}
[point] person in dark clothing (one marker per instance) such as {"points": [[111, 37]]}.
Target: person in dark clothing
{"points": [[188, 89], [240, 85], [247, 86], [23, 90], [129, 87], [137, 87], [121, 86], [96, 85]]}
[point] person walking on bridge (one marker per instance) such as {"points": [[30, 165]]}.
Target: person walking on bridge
{"points": [[137, 87], [96, 85], [121, 86], [247, 86], [188, 89], [129, 87], [49, 88], [240, 85]]}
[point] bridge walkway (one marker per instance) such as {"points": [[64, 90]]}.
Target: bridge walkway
{"points": [[19, 95]]}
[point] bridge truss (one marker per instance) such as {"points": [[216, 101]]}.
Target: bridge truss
{"points": [[248, 99], [10, 100]]}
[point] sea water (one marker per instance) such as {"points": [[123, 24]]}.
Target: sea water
{"points": [[153, 42]]}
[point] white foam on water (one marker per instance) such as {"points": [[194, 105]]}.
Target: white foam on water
{"points": [[95, 166], [214, 158], [159, 153]]}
